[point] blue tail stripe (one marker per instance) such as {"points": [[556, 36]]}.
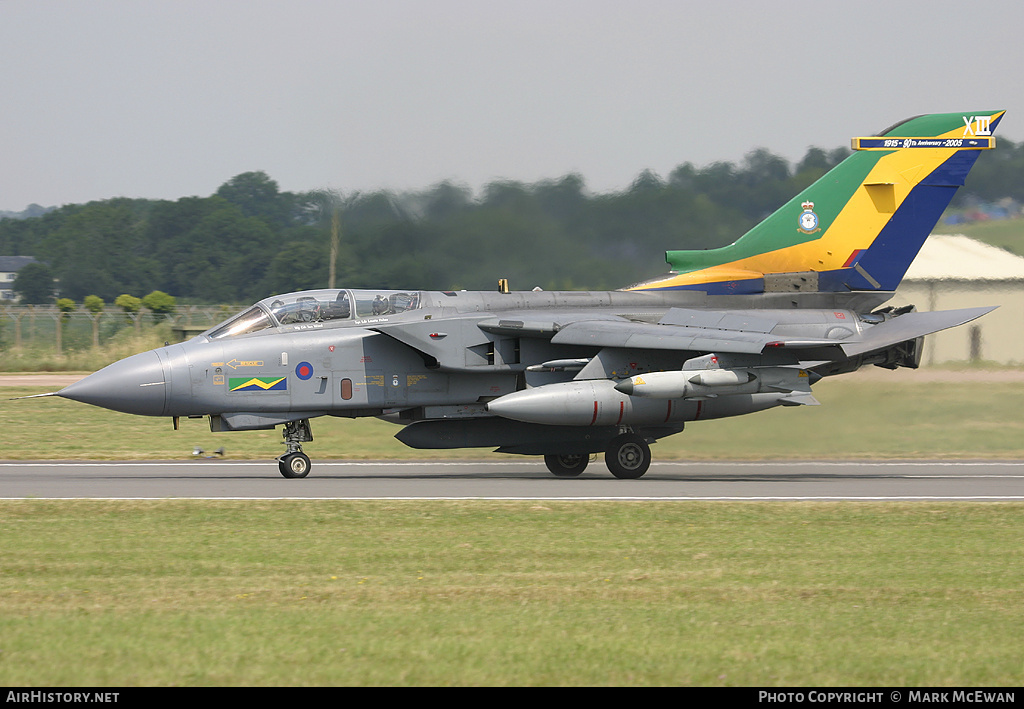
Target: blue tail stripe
{"points": [[898, 243]]}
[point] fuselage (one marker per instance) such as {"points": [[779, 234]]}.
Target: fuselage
{"points": [[410, 354]]}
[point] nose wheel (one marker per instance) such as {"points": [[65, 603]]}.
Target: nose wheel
{"points": [[294, 463]]}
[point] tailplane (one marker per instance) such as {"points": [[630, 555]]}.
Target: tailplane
{"points": [[859, 227]]}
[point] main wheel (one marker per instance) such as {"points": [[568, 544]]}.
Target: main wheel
{"points": [[566, 466], [294, 465], [628, 456]]}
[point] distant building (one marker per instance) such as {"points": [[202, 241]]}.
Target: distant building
{"points": [[9, 267], [954, 272]]}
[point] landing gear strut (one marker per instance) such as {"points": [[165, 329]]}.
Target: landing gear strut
{"points": [[294, 463]]}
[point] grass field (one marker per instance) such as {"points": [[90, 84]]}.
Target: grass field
{"points": [[287, 593], [860, 417]]}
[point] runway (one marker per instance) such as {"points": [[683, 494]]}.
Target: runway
{"points": [[515, 480]]}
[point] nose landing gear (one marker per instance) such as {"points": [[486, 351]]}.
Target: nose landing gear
{"points": [[294, 463]]}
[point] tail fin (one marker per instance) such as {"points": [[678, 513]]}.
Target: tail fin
{"points": [[857, 228]]}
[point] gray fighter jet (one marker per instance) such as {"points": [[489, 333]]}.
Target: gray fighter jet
{"points": [[566, 375]]}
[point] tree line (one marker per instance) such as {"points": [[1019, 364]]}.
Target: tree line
{"points": [[250, 239]]}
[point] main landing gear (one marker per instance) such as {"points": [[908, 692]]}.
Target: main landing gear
{"points": [[294, 463], [627, 456], [566, 466]]}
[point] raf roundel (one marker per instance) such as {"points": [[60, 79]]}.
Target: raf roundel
{"points": [[304, 370]]}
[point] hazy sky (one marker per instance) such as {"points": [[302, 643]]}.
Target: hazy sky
{"points": [[171, 98]]}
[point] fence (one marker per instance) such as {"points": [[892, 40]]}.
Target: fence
{"points": [[45, 326]]}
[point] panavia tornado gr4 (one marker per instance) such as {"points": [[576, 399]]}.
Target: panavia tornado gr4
{"points": [[566, 375]]}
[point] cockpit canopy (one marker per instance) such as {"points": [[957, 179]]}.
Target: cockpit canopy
{"points": [[316, 306]]}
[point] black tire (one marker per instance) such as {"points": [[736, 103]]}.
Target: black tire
{"points": [[628, 456], [294, 465], [566, 466]]}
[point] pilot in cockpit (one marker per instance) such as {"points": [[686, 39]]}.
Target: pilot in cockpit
{"points": [[303, 310], [338, 308]]}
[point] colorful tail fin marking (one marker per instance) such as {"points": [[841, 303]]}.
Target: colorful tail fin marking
{"points": [[860, 226]]}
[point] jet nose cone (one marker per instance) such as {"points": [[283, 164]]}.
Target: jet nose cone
{"points": [[135, 385]]}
